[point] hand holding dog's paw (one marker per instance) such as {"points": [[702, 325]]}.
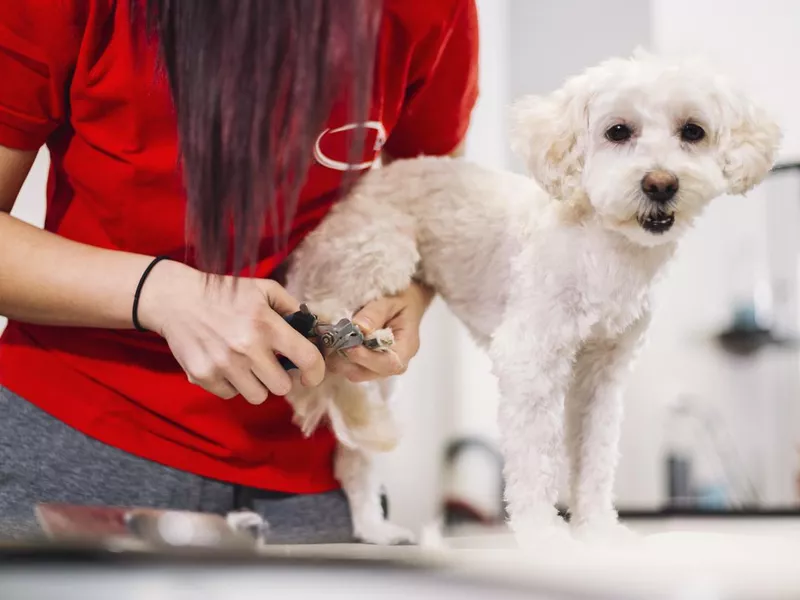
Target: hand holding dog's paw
{"points": [[391, 320]]}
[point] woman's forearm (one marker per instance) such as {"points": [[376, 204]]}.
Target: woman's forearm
{"points": [[50, 280]]}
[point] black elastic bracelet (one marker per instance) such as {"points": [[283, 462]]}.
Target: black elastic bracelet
{"points": [[135, 311]]}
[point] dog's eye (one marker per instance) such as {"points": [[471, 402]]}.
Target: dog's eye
{"points": [[619, 133], [692, 132]]}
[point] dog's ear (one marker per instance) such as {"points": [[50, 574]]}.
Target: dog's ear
{"points": [[549, 134], [749, 144]]}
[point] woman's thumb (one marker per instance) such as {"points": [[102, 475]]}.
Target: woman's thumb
{"points": [[375, 315], [279, 299]]}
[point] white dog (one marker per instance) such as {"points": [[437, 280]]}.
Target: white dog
{"points": [[553, 279]]}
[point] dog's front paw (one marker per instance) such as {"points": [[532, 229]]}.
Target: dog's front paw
{"points": [[383, 533], [544, 534], [380, 339], [605, 532]]}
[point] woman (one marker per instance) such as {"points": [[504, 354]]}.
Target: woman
{"points": [[216, 134]]}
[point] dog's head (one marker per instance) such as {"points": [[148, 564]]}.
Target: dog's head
{"points": [[645, 144]]}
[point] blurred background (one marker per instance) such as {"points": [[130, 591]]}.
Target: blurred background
{"points": [[713, 408]]}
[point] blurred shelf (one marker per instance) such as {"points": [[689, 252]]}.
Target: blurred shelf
{"points": [[746, 513]]}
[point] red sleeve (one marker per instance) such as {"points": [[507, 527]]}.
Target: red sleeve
{"points": [[39, 44], [442, 94]]}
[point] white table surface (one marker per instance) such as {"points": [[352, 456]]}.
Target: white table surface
{"points": [[696, 559]]}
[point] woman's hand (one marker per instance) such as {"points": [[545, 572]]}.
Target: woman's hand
{"points": [[226, 338], [402, 314]]}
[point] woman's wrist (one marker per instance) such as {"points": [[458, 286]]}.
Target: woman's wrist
{"points": [[165, 290]]}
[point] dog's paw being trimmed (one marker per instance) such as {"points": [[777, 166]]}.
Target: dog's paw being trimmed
{"points": [[383, 533], [380, 339]]}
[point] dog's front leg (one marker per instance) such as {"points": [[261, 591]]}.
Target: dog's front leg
{"points": [[532, 358], [594, 419]]}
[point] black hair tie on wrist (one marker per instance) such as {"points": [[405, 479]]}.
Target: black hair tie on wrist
{"points": [[138, 293]]}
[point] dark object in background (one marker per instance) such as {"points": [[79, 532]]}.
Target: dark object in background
{"points": [[459, 511], [679, 480], [747, 334], [744, 341]]}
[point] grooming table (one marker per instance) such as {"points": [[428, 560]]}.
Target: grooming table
{"points": [[679, 563]]}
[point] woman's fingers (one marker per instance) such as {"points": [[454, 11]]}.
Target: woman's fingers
{"points": [[385, 363], [252, 388], [284, 340], [218, 386], [227, 337], [268, 370], [360, 364], [278, 299]]}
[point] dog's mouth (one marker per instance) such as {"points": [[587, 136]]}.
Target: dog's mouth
{"points": [[657, 223]]}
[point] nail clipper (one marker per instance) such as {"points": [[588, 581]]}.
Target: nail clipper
{"points": [[328, 337]]}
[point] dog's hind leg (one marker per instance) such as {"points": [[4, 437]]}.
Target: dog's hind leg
{"points": [[593, 423], [361, 418], [362, 251], [360, 481]]}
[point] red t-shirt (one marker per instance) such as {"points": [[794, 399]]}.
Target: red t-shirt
{"points": [[69, 81]]}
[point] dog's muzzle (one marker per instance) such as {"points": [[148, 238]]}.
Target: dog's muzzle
{"points": [[660, 187], [657, 223]]}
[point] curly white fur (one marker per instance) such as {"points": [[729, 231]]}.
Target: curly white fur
{"points": [[552, 279]]}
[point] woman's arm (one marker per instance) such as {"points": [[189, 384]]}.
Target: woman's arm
{"points": [[50, 280], [224, 338]]}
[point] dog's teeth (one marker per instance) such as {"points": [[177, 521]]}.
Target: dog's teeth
{"points": [[658, 223]]}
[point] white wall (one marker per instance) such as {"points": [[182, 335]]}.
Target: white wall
{"points": [[30, 205], [757, 44], [476, 390]]}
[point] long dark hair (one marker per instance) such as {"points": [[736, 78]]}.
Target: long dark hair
{"points": [[253, 82]]}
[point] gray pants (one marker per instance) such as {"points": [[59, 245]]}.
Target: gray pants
{"points": [[44, 460]]}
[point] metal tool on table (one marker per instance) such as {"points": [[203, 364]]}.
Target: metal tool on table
{"points": [[329, 337], [152, 528]]}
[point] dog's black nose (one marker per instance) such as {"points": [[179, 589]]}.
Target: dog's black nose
{"points": [[660, 186]]}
